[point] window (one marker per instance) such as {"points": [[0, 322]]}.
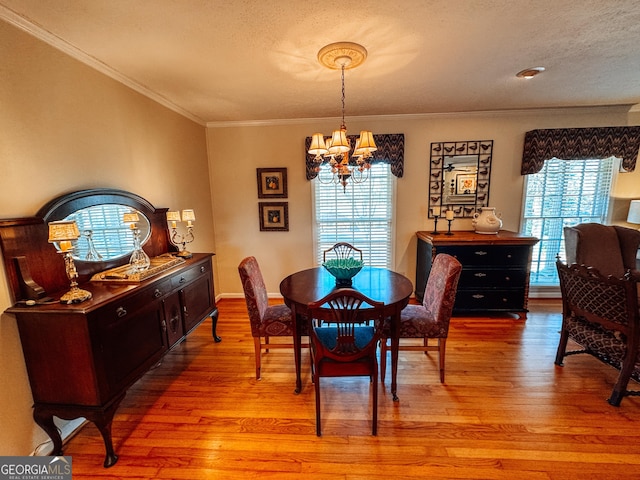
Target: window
{"points": [[361, 215], [563, 193]]}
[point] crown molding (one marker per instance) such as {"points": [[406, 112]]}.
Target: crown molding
{"points": [[56, 42], [583, 110]]}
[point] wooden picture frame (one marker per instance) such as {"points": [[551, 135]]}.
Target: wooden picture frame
{"points": [[272, 182], [466, 184], [274, 216]]}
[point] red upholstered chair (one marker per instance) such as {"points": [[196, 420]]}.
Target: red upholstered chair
{"points": [[431, 319], [266, 320], [343, 337]]}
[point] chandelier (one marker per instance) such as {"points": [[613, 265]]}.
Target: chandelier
{"points": [[333, 152]]}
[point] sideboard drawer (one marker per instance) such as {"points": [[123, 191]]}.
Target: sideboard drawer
{"points": [[487, 300], [189, 275], [503, 255], [493, 278]]}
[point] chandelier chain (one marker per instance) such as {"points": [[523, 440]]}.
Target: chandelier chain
{"points": [[343, 124]]}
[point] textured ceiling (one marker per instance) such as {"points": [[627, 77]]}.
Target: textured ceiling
{"points": [[252, 60]]}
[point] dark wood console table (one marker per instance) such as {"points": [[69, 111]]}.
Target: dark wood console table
{"points": [[495, 269], [82, 358]]}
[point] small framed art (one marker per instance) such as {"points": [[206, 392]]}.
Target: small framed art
{"points": [[465, 184], [274, 216], [272, 182]]}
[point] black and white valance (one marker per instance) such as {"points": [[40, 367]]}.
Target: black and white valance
{"points": [[390, 150], [580, 144]]}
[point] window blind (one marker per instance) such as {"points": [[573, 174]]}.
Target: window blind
{"points": [[563, 193], [360, 215]]}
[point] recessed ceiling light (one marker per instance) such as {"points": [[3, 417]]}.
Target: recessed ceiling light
{"points": [[530, 72]]}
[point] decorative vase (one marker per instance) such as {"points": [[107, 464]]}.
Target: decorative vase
{"points": [[487, 221]]}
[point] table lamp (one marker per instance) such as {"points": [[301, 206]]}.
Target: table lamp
{"points": [[181, 240], [139, 260], [63, 233], [634, 212]]}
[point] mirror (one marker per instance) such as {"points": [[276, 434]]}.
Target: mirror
{"points": [[103, 234], [459, 177]]}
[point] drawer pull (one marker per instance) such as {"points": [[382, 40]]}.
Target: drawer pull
{"points": [[202, 269], [164, 326], [480, 274], [477, 296], [480, 252], [121, 312], [182, 279], [157, 293], [507, 279]]}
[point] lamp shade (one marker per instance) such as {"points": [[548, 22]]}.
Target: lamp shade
{"points": [[318, 147], [367, 143], [634, 212], [339, 142], [173, 216], [63, 230], [188, 215], [130, 217]]}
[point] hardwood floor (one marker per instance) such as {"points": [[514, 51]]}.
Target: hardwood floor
{"points": [[505, 412]]}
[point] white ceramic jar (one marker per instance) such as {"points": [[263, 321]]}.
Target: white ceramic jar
{"points": [[487, 221]]}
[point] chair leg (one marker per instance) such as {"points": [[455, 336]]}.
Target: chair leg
{"points": [[266, 342], [383, 358], [256, 344], [375, 400], [442, 343], [425, 342], [318, 425]]}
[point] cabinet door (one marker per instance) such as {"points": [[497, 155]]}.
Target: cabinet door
{"points": [[197, 300], [131, 340], [173, 319]]}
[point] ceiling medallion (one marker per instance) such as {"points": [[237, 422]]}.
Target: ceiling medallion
{"points": [[339, 54]]}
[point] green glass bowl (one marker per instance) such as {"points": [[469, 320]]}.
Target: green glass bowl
{"points": [[343, 269]]}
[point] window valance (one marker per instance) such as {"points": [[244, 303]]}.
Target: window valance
{"points": [[390, 150], [580, 144]]}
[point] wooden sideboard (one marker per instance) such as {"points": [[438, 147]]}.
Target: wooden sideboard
{"points": [[495, 269], [81, 358]]}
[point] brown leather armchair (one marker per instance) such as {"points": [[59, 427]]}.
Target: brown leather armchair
{"points": [[611, 249]]}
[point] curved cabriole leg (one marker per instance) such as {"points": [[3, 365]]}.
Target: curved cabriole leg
{"points": [[45, 420], [214, 325]]}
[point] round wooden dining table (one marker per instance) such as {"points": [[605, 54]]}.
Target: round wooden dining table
{"points": [[380, 284]]}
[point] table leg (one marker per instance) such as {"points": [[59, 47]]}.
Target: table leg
{"points": [[297, 347]]}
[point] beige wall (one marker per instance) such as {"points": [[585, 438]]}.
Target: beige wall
{"points": [[66, 127], [236, 151]]}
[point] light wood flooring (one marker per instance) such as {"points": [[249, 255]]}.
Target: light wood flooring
{"points": [[505, 412]]}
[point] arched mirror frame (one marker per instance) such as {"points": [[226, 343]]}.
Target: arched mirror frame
{"points": [[441, 152], [33, 266]]}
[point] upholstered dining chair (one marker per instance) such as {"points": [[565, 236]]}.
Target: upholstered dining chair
{"points": [[343, 338], [431, 319], [266, 320], [342, 250]]}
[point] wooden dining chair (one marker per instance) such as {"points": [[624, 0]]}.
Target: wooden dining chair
{"points": [[600, 314], [342, 250], [431, 319], [342, 344], [265, 320]]}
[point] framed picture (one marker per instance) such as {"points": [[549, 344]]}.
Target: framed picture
{"points": [[272, 182], [274, 216], [466, 183]]}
